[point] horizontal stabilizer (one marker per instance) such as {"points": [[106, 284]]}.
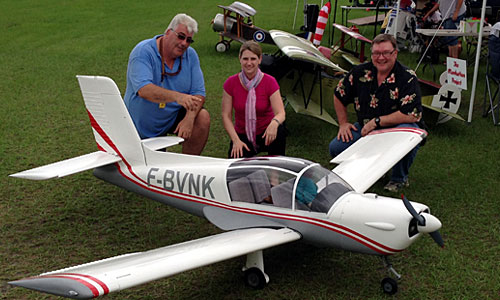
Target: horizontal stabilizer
{"points": [[69, 166], [120, 272], [363, 163], [161, 142]]}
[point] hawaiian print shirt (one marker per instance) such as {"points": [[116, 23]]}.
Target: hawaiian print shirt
{"points": [[399, 91]]}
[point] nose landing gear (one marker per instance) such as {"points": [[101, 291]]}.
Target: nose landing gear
{"points": [[389, 285]]}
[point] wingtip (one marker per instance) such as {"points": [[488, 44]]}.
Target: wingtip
{"points": [[64, 287], [31, 176]]}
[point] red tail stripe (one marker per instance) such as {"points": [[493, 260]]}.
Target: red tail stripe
{"points": [[108, 140]]}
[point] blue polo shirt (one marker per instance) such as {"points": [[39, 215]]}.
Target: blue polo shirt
{"points": [[144, 67]]}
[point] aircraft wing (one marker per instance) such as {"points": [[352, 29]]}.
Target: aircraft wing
{"points": [[120, 272], [69, 166], [363, 163], [298, 48], [442, 111]]}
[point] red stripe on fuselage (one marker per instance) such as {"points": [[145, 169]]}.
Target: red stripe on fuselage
{"points": [[303, 219], [143, 184]]}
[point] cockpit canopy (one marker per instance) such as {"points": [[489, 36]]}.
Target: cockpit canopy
{"points": [[285, 182]]}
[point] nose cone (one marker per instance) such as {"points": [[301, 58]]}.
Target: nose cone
{"points": [[431, 223]]}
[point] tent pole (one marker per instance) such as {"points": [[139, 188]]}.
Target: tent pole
{"points": [[476, 66]]}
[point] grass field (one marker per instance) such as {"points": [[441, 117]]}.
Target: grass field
{"points": [[59, 223]]}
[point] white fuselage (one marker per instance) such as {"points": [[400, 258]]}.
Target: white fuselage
{"points": [[364, 223]]}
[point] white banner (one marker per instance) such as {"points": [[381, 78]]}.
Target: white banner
{"points": [[457, 72]]}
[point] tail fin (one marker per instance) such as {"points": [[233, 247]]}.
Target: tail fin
{"points": [[112, 125]]}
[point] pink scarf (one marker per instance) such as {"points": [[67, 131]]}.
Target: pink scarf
{"points": [[250, 115]]}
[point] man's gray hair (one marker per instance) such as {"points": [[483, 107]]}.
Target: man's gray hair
{"points": [[189, 22]]}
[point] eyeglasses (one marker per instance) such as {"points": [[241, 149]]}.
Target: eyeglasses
{"points": [[182, 37], [384, 54]]}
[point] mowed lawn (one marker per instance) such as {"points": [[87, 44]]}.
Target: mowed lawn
{"points": [[59, 223]]}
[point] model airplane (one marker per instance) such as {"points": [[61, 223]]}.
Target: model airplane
{"points": [[440, 102], [260, 202], [314, 70], [305, 67], [231, 24]]}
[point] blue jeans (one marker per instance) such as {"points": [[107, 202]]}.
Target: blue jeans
{"points": [[450, 24], [400, 170]]}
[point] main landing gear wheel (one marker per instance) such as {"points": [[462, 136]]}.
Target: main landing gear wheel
{"points": [[389, 286], [255, 278], [222, 46]]}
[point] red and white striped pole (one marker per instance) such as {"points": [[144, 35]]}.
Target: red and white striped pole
{"points": [[321, 24]]}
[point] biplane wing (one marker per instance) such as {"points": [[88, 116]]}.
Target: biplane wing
{"points": [[240, 8], [298, 48], [300, 87], [347, 34], [438, 115]]}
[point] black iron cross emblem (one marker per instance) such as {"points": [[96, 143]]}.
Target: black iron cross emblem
{"points": [[448, 99]]}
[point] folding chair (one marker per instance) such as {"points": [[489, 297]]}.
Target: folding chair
{"points": [[491, 83]]}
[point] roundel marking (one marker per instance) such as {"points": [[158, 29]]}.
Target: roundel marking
{"points": [[259, 36]]}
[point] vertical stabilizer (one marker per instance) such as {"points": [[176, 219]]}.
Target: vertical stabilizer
{"points": [[111, 123]]}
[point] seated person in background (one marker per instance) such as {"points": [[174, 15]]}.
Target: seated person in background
{"points": [[385, 94], [258, 108], [165, 87], [494, 50]]}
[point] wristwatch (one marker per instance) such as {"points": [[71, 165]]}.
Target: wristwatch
{"points": [[377, 122]]}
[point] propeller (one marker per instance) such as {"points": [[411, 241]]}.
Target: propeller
{"points": [[426, 223]]}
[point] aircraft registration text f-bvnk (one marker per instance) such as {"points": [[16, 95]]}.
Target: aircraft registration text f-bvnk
{"points": [[259, 202]]}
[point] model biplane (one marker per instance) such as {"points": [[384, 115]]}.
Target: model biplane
{"points": [[259, 202], [299, 68], [236, 24], [314, 72], [440, 102]]}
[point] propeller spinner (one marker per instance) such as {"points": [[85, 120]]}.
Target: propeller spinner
{"points": [[426, 223]]}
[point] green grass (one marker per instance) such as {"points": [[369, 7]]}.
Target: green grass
{"points": [[54, 224]]}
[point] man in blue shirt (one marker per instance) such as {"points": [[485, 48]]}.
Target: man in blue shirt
{"points": [[165, 87]]}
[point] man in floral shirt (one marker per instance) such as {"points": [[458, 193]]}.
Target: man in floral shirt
{"points": [[385, 94]]}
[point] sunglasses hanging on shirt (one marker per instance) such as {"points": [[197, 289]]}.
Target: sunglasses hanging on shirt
{"points": [[163, 61]]}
